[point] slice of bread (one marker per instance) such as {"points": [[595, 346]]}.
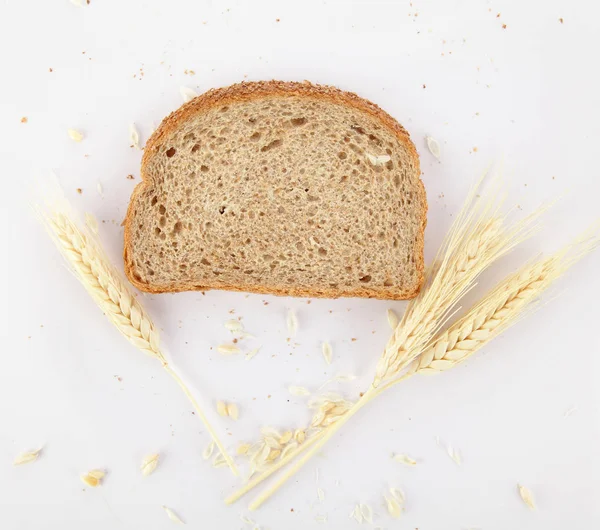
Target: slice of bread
{"points": [[282, 188]]}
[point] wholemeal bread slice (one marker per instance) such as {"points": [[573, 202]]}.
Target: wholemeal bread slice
{"points": [[278, 187]]}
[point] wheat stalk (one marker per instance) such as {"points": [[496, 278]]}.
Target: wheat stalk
{"points": [[103, 282]]}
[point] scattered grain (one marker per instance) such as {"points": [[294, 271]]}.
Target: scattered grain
{"points": [[75, 135], [252, 353], [378, 160], [222, 408], [404, 459], [172, 515], [93, 478], [232, 411], [243, 449], [187, 94], [299, 391], [526, 495], [367, 513], [292, 323], [393, 506], [234, 325], [149, 464], [392, 319], [26, 457], [134, 136], [228, 349], [433, 146], [327, 352], [208, 450]]}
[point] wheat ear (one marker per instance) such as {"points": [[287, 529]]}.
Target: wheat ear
{"points": [[476, 239], [104, 283], [498, 310]]}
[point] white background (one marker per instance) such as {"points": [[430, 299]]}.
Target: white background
{"points": [[524, 97]]}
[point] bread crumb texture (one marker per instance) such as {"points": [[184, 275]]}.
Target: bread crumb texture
{"points": [[267, 187]]}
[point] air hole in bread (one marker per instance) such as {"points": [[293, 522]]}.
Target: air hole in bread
{"points": [[271, 145], [255, 136], [222, 210], [204, 169], [358, 129], [342, 155], [154, 200], [374, 139], [189, 137], [162, 209], [322, 252], [177, 227], [162, 221], [170, 152], [297, 122], [195, 148], [365, 279], [204, 261]]}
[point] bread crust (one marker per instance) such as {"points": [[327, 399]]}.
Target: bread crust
{"points": [[248, 91]]}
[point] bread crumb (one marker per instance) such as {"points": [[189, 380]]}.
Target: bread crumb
{"points": [[424, 85], [24, 119], [277, 20], [503, 26], [474, 149], [353, 339], [130, 177], [79, 190], [561, 20], [50, 70]]}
